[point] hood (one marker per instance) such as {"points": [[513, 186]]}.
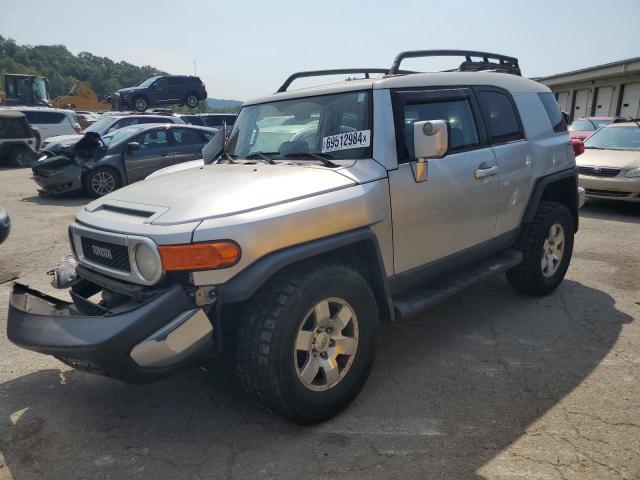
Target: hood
{"points": [[61, 141], [127, 90], [214, 191], [624, 159], [177, 168]]}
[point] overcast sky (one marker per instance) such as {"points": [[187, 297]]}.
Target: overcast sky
{"points": [[245, 48]]}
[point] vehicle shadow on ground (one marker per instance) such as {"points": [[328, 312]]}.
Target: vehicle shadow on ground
{"points": [[71, 200], [444, 398], [611, 210]]}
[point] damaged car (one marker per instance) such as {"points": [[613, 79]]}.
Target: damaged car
{"points": [[100, 165]]}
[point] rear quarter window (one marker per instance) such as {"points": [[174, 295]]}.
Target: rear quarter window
{"points": [[44, 118], [553, 111], [14, 128], [500, 117]]}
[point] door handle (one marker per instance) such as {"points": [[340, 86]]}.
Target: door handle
{"points": [[485, 172]]}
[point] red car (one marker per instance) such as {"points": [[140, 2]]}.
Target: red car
{"points": [[583, 127]]}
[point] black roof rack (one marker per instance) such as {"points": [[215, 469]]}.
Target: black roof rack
{"points": [[335, 71], [504, 64]]}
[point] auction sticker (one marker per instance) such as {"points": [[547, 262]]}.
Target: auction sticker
{"points": [[345, 141]]}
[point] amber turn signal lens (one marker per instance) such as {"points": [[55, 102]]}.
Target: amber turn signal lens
{"points": [[199, 256]]}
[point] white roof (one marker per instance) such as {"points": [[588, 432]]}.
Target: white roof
{"points": [[509, 82]]}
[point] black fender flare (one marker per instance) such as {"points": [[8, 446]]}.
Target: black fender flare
{"points": [[242, 286], [539, 188]]}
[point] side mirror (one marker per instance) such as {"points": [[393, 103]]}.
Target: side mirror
{"points": [[131, 146], [430, 141]]}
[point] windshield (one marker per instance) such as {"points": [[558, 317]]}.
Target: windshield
{"points": [[101, 125], [601, 122], [615, 138], [337, 126], [40, 89], [121, 135], [148, 81], [582, 126]]}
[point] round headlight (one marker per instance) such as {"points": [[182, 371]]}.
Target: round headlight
{"points": [[147, 262]]}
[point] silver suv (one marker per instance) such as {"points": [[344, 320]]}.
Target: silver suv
{"points": [[329, 210]]}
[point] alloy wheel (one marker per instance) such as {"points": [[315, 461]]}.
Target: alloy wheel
{"points": [[103, 183], [552, 250], [326, 344], [192, 101]]}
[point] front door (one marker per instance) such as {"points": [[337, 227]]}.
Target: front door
{"points": [[455, 207], [187, 144], [155, 152]]}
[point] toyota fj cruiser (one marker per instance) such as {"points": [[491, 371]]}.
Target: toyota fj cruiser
{"points": [[328, 210]]}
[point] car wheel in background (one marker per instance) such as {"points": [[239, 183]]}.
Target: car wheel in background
{"points": [[191, 101], [21, 157], [101, 181], [140, 103]]}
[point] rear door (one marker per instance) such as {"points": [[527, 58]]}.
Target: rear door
{"points": [[187, 144], [455, 208], [155, 152]]}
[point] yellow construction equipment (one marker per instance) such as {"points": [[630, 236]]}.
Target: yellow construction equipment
{"points": [[81, 97]]}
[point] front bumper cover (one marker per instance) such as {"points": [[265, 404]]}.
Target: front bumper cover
{"points": [[140, 345], [67, 179]]}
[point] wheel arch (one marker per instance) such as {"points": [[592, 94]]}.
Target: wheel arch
{"points": [[357, 248], [560, 187]]}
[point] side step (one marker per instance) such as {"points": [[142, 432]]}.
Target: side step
{"points": [[418, 299]]}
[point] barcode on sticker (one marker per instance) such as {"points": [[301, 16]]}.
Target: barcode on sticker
{"points": [[345, 141]]}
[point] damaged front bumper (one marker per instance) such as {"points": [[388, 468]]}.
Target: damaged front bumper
{"points": [[58, 178], [137, 344]]}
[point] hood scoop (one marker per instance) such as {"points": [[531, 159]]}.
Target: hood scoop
{"points": [[127, 212]]}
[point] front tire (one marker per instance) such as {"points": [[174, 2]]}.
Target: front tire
{"points": [[101, 181], [140, 103], [191, 100], [307, 341], [21, 157], [547, 245]]}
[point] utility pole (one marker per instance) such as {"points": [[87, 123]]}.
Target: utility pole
{"points": [[195, 71]]}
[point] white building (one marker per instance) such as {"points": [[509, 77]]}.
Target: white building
{"points": [[606, 90]]}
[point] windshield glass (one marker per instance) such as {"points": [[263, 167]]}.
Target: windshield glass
{"points": [[101, 125], [148, 82], [615, 138], [121, 135], [40, 89], [337, 125], [601, 122], [582, 126]]}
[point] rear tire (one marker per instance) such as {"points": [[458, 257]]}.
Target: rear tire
{"points": [[191, 100], [547, 245], [21, 157], [307, 341], [101, 181], [140, 103]]}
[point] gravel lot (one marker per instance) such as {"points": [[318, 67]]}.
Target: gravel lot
{"points": [[491, 385]]}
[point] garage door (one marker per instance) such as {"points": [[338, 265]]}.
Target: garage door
{"points": [[580, 107], [603, 102], [630, 106], [563, 101]]}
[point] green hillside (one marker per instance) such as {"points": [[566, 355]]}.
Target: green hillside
{"points": [[63, 68]]}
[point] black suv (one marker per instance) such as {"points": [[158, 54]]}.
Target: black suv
{"points": [[161, 90]]}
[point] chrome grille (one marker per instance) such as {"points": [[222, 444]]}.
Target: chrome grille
{"points": [[599, 171], [107, 254]]}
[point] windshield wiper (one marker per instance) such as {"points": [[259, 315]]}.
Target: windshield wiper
{"points": [[262, 156], [323, 157]]}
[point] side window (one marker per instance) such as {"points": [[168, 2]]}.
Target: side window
{"points": [[153, 139], [152, 120], [187, 136], [14, 128], [44, 118], [125, 122], [161, 83], [463, 132], [213, 120], [500, 117], [553, 111]]}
